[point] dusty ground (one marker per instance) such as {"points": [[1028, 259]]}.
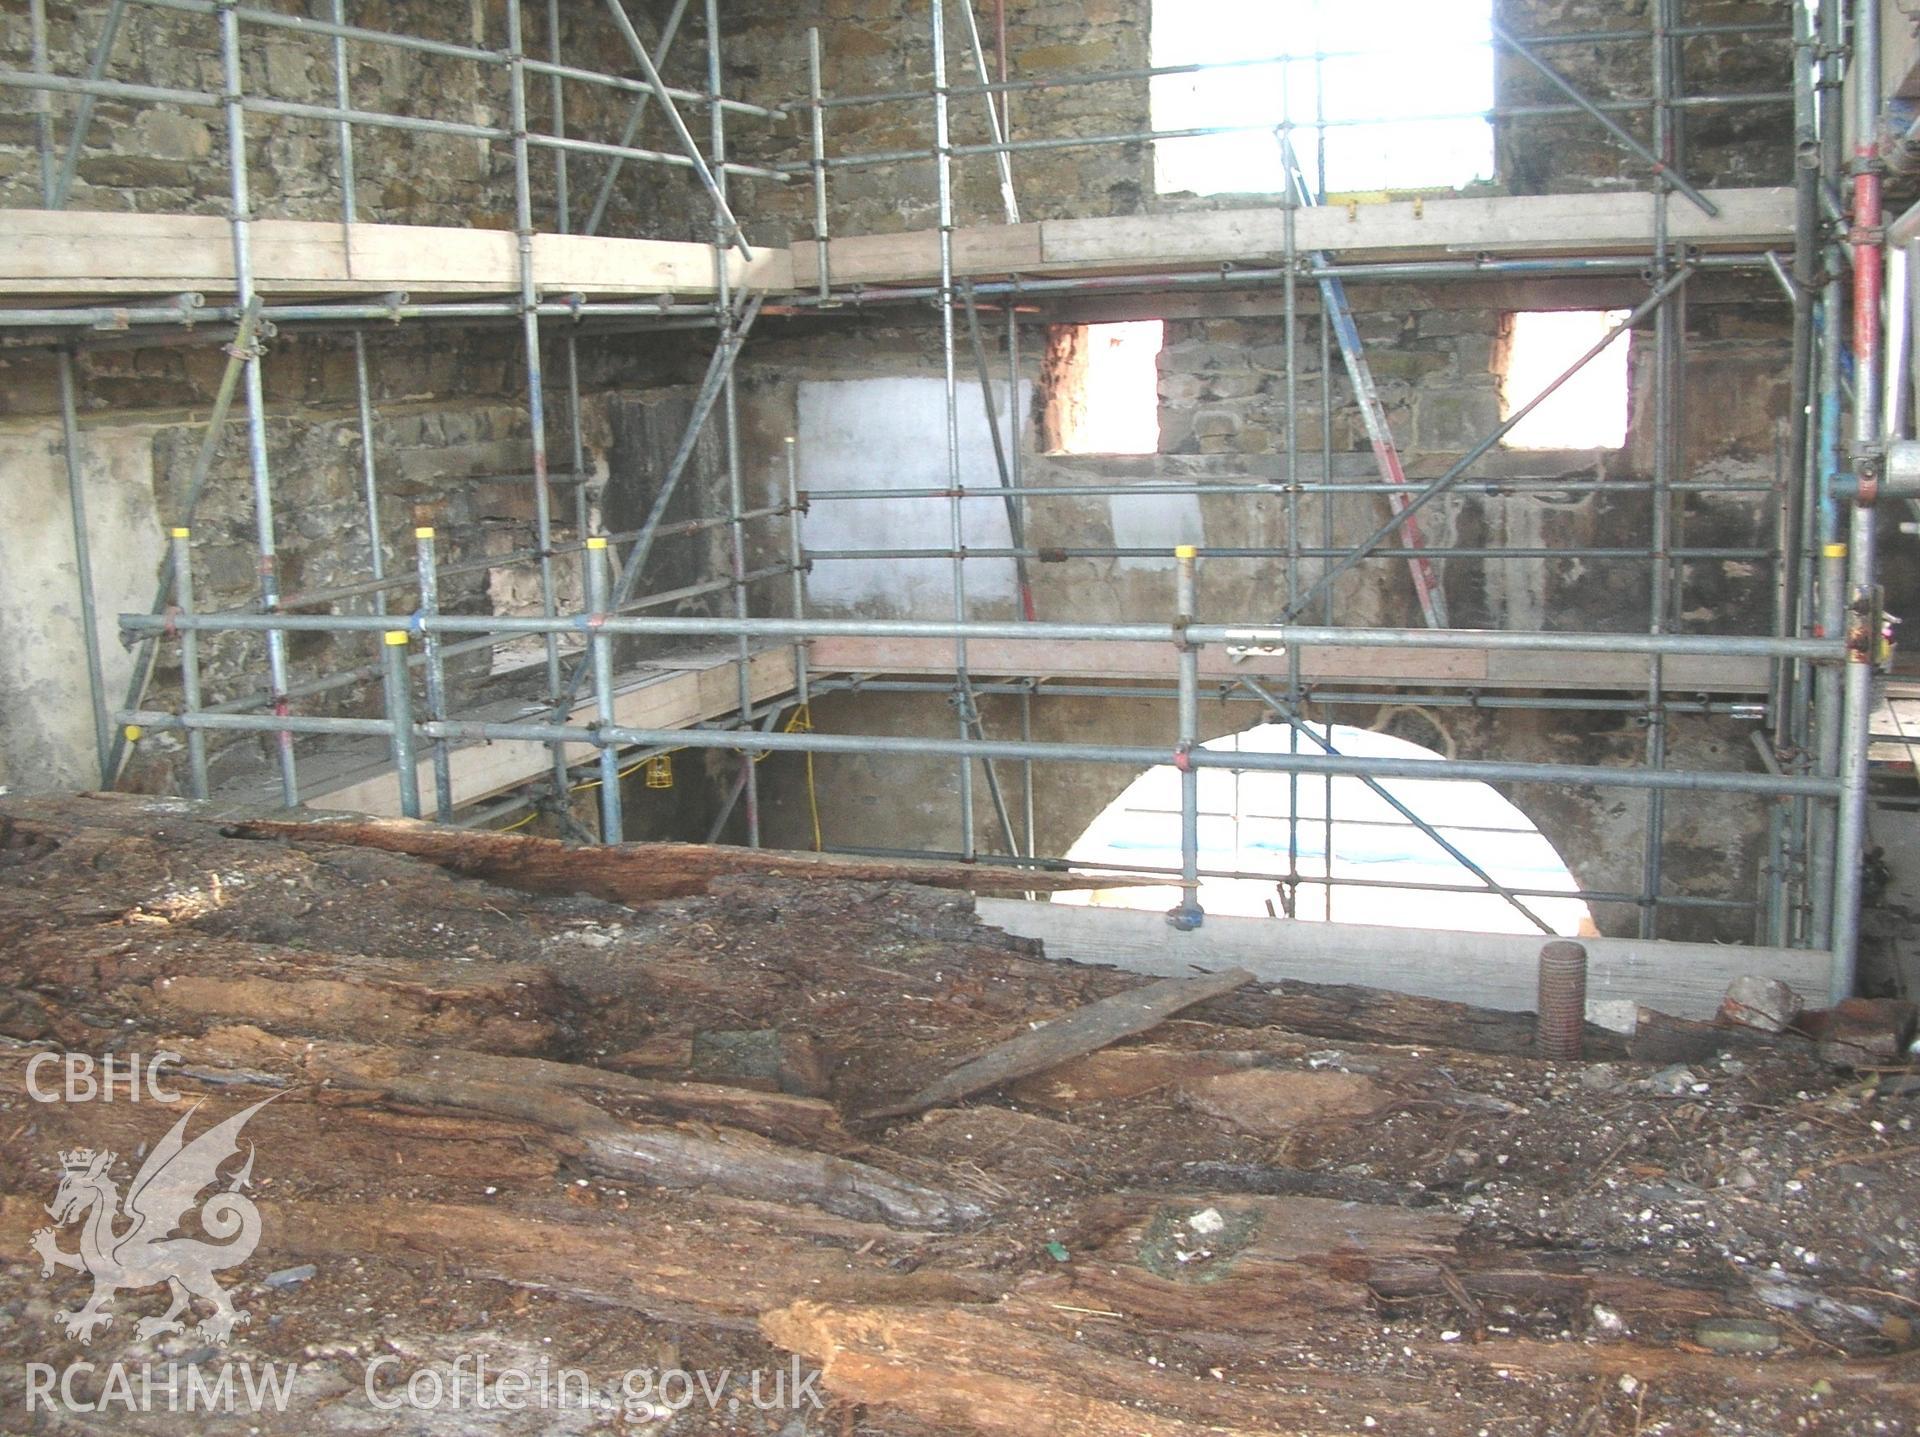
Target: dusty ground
{"points": [[1283, 1211]]}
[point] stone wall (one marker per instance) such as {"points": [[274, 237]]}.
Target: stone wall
{"points": [[1223, 416], [1222, 393], [161, 158], [449, 401], [449, 404], [1726, 145], [1223, 419], [878, 46]]}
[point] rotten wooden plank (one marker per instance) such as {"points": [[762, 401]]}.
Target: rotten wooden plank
{"points": [[635, 872]]}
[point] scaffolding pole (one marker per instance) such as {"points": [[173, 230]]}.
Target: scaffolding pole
{"points": [[1831, 795]]}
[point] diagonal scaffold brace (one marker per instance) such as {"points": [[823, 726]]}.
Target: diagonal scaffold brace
{"points": [[1333, 300]]}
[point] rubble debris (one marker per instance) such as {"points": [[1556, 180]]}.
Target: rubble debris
{"points": [[1863, 1032], [1763, 1003]]}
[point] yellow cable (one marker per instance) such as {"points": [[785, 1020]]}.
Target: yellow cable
{"points": [[813, 807], [802, 722]]}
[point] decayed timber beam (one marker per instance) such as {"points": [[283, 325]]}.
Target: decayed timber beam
{"points": [[638, 872]]}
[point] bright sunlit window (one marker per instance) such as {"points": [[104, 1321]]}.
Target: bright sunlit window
{"points": [[1388, 60], [1590, 410], [1103, 385]]}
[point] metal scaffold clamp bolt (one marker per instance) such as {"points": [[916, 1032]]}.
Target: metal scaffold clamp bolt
{"points": [[1869, 635]]}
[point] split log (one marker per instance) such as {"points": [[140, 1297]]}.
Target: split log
{"points": [[1664, 1039], [1667, 1366], [543, 1098], [999, 1371], [638, 872], [730, 1161], [1073, 1035], [727, 1160]]}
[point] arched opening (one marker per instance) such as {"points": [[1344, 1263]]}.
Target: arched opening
{"points": [[1389, 869]]}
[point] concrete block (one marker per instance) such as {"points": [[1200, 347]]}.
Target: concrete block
{"points": [[1763, 1003]]}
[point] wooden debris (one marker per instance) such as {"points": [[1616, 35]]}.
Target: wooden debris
{"points": [[1662, 1038], [712, 1274], [1120, 1073], [1073, 1035], [505, 1007], [559, 1123], [1202, 1263], [1347, 1013]]}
